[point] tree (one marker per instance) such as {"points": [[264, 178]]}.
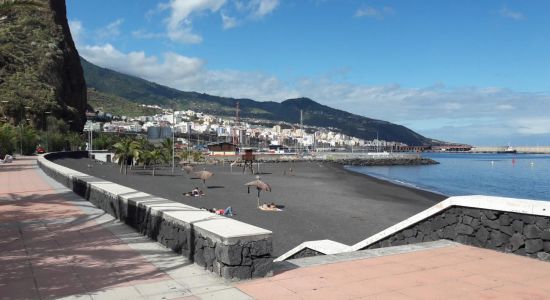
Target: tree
{"points": [[166, 148], [125, 149], [143, 152], [29, 140], [197, 156], [7, 138], [156, 156], [184, 155], [75, 141]]}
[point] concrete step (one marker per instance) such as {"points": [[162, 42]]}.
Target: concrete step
{"points": [[290, 264]]}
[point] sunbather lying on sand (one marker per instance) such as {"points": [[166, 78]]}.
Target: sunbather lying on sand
{"points": [[195, 193], [228, 212], [269, 207]]}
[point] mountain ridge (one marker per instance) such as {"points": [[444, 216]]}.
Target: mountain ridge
{"points": [[135, 89]]}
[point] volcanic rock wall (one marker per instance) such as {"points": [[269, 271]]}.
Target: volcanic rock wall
{"points": [[40, 67], [518, 233]]}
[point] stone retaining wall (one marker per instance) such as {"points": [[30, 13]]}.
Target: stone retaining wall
{"points": [[518, 233], [227, 247]]}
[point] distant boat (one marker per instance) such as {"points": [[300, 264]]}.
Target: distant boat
{"points": [[508, 150]]}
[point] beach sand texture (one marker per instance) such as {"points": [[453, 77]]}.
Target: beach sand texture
{"points": [[321, 201]]}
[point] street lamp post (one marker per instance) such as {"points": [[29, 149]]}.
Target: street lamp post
{"points": [[46, 129], [173, 140], [21, 130]]}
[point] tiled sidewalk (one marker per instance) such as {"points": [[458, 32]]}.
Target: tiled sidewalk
{"points": [[451, 272], [54, 244]]}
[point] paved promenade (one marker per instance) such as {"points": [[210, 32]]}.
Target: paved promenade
{"points": [[55, 245], [449, 272]]}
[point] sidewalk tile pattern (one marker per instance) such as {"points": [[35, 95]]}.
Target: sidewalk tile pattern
{"points": [[454, 272], [52, 247]]}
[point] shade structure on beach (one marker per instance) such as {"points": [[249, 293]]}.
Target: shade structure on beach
{"points": [[260, 186], [203, 175], [188, 169]]}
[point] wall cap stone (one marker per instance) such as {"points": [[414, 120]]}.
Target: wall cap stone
{"points": [[226, 230]]}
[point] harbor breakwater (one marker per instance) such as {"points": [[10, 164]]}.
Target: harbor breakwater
{"points": [[519, 149], [349, 159]]}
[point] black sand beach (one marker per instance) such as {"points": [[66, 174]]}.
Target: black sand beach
{"points": [[322, 201]]}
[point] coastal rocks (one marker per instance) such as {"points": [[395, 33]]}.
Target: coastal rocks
{"points": [[517, 233], [385, 161]]}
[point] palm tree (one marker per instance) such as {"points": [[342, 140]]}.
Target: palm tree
{"points": [[156, 156], [184, 155], [75, 140], [142, 153], [123, 150], [166, 147], [197, 156]]}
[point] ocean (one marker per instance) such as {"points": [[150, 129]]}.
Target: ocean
{"points": [[524, 176]]}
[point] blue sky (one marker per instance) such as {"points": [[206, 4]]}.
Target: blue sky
{"points": [[476, 72]]}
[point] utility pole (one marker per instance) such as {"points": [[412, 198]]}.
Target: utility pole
{"points": [[301, 130], [173, 140], [46, 129], [21, 129], [236, 131]]}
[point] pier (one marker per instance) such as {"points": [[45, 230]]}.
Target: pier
{"points": [[519, 149]]}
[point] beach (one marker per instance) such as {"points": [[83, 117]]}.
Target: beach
{"points": [[321, 200]]}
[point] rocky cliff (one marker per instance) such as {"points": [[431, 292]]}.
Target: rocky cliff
{"points": [[40, 71]]}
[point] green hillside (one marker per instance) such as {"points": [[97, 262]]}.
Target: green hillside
{"points": [[40, 71], [130, 88], [116, 105]]}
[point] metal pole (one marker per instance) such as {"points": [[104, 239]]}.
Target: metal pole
{"points": [[173, 141], [21, 134], [46, 113]]}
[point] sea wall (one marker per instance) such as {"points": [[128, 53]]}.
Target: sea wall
{"points": [[517, 233], [518, 226], [347, 158], [224, 246], [519, 149]]}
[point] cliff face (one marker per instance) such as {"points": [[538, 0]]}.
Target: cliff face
{"points": [[40, 67]]}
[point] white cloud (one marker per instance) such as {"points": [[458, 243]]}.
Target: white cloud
{"points": [[374, 13], [243, 11], [531, 126], [505, 12], [228, 21], [76, 30], [179, 23], [142, 34], [183, 13], [170, 68], [111, 31], [261, 8]]}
